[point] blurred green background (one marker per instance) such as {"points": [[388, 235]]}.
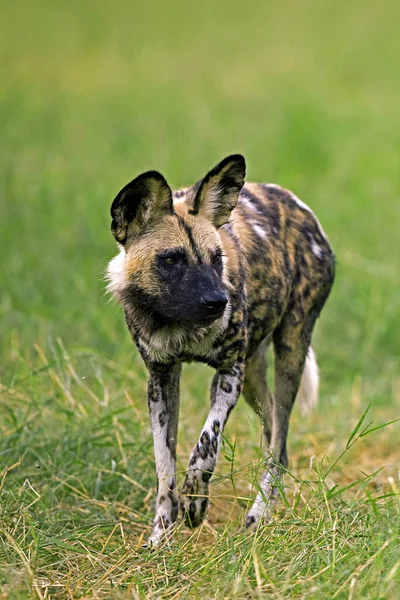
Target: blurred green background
{"points": [[93, 93]]}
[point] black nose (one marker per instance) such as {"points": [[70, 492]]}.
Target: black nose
{"points": [[214, 302]]}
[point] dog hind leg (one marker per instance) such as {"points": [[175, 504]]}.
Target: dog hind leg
{"points": [[291, 342], [255, 388]]}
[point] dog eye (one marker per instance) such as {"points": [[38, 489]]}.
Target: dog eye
{"points": [[172, 257], [170, 260], [217, 258]]}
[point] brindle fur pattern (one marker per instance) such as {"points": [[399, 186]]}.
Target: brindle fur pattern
{"points": [[264, 250]]}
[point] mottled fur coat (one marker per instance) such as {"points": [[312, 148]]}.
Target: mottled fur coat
{"points": [[215, 273]]}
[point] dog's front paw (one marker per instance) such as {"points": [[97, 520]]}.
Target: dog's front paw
{"points": [[194, 510], [163, 528], [194, 501]]}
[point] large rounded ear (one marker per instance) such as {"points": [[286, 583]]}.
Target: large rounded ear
{"points": [[217, 194], [146, 198]]}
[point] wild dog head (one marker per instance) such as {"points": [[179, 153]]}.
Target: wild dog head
{"points": [[170, 268]]}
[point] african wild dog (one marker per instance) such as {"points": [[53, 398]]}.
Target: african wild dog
{"points": [[214, 273]]}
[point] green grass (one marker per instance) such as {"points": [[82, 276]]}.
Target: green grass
{"points": [[93, 93]]}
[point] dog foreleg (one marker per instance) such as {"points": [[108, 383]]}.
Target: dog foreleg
{"points": [[163, 400], [225, 391]]}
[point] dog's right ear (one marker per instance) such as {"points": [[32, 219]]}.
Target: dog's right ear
{"points": [[218, 193], [145, 199]]}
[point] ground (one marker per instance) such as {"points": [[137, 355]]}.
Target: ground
{"points": [[91, 95]]}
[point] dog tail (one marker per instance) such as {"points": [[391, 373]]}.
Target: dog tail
{"points": [[307, 396]]}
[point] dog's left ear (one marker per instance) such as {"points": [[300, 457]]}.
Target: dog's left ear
{"points": [[217, 194], [142, 201]]}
